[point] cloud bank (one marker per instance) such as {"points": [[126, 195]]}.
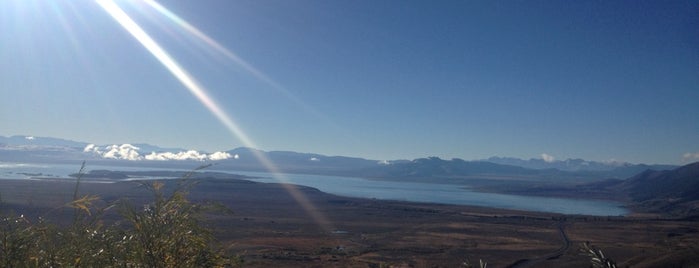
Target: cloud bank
{"points": [[130, 152]]}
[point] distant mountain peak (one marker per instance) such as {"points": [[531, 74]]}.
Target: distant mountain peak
{"points": [[24, 140], [570, 164], [308, 162]]}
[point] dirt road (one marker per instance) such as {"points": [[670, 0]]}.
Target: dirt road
{"points": [[521, 263]]}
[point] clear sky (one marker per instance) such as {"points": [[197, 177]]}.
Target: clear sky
{"points": [[598, 80]]}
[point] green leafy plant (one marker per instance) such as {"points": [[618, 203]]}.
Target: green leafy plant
{"points": [[167, 232]]}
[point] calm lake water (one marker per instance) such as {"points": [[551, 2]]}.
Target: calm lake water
{"points": [[441, 193], [359, 187]]}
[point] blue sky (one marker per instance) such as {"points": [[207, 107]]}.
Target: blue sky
{"points": [[598, 80]]}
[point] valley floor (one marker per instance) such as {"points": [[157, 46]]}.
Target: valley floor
{"points": [[268, 227]]}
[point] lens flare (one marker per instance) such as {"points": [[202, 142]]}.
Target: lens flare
{"points": [[218, 48], [213, 44], [202, 96]]}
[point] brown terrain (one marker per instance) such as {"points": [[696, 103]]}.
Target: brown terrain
{"points": [[269, 228]]}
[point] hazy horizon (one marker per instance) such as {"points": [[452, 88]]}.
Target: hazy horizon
{"points": [[181, 153]]}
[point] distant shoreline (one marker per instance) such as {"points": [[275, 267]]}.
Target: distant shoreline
{"points": [[112, 177]]}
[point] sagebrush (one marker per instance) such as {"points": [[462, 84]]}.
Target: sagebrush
{"points": [[167, 232]]}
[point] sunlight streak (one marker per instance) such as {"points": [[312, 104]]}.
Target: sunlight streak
{"points": [[200, 93], [212, 43], [185, 78], [217, 47]]}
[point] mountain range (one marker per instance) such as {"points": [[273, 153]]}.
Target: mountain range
{"points": [[665, 189], [47, 149]]}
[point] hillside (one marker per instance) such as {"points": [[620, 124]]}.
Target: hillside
{"points": [[434, 167], [458, 171], [674, 192]]}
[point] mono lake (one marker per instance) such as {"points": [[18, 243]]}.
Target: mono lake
{"points": [[440, 193], [364, 188]]}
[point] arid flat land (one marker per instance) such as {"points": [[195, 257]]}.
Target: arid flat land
{"points": [[270, 228]]}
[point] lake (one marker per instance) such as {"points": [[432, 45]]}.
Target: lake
{"points": [[364, 188], [441, 193]]}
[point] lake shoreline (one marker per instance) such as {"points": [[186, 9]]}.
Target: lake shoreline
{"points": [[420, 192], [268, 227]]}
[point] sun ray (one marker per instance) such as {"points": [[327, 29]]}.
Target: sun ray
{"points": [[213, 44], [222, 50], [202, 96]]}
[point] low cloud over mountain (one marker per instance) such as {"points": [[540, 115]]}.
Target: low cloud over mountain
{"points": [[131, 152], [547, 158], [27, 148], [690, 157]]}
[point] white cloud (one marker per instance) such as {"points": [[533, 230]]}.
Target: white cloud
{"points": [[220, 156], [188, 155], [130, 152], [125, 151], [29, 137], [547, 158], [91, 148], [236, 156], [191, 155], [690, 157], [314, 159], [159, 156]]}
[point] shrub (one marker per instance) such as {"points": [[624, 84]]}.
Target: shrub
{"points": [[164, 233]]}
